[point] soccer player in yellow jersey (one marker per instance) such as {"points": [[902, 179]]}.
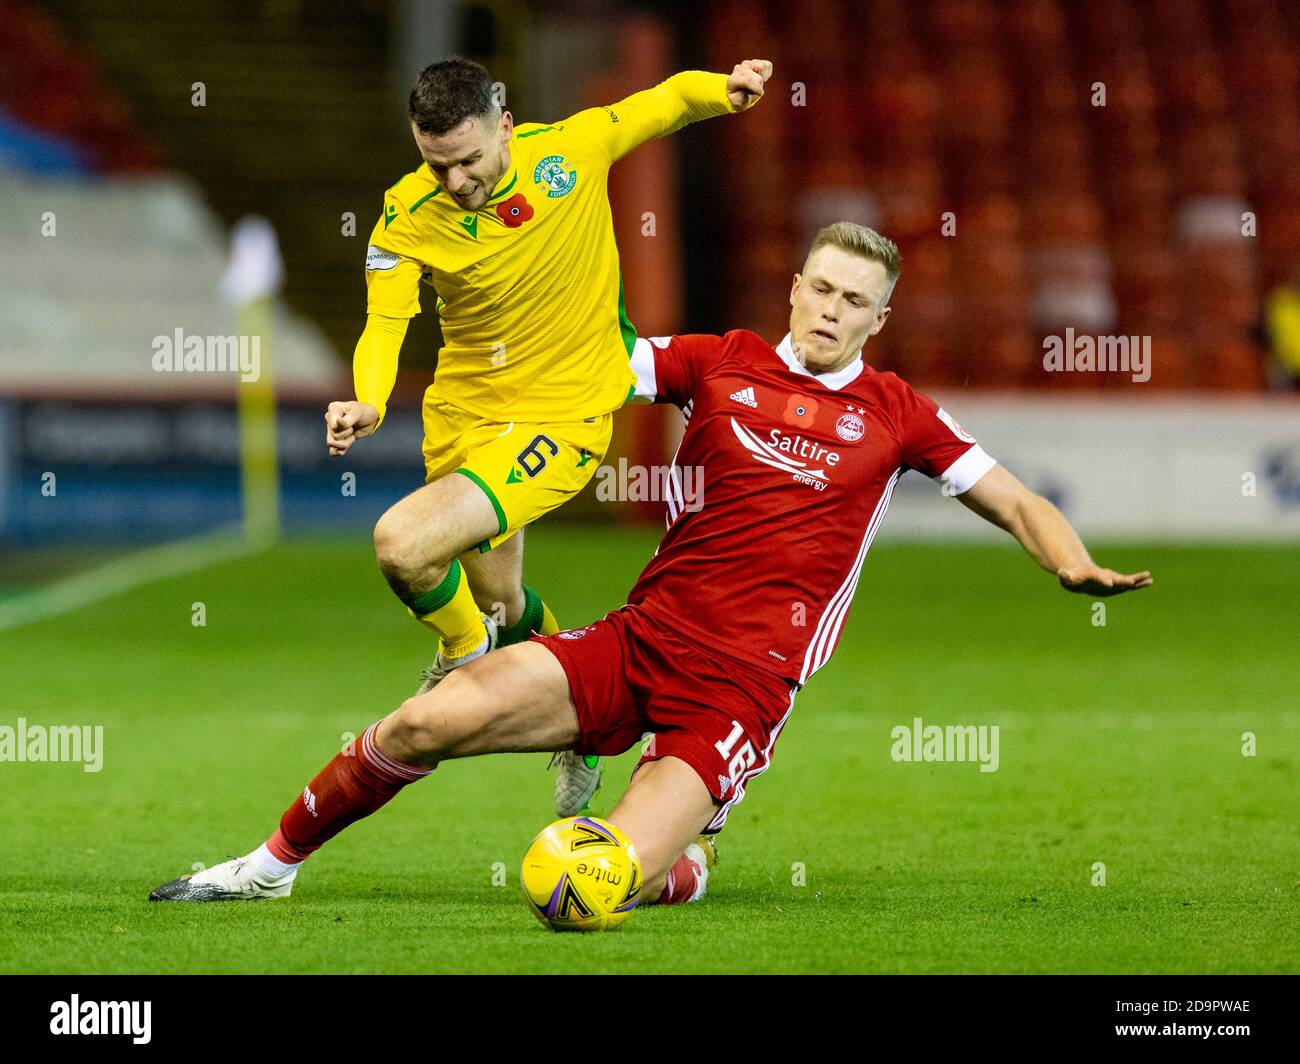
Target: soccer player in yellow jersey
{"points": [[511, 226]]}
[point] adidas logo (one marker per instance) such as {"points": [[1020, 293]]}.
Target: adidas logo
{"points": [[309, 800], [746, 396]]}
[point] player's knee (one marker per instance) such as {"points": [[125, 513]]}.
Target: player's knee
{"points": [[388, 541], [394, 549], [448, 722], [417, 730], [404, 552]]}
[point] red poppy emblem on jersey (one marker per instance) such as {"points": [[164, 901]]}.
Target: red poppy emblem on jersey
{"points": [[800, 411], [514, 211]]}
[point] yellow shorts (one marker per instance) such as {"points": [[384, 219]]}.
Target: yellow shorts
{"points": [[525, 469]]}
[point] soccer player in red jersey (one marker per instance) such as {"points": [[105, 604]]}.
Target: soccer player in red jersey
{"points": [[786, 468]]}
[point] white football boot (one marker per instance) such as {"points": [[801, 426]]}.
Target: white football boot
{"points": [[238, 879], [577, 782], [440, 669]]}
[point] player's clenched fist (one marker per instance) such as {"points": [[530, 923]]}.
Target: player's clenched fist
{"points": [[745, 85], [346, 422]]}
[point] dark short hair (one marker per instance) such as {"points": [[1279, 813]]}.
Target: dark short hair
{"points": [[449, 92]]}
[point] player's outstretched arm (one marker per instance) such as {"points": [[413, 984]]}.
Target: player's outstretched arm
{"points": [[1043, 531], [687, 97], [374, 372]]}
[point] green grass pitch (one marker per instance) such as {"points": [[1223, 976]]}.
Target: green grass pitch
{"points": [[1119, 744]]}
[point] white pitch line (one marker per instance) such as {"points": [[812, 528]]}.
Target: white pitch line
{"points": [[124, 574]]}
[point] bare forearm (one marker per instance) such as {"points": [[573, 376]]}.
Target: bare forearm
{"points": [[1048, 537]]}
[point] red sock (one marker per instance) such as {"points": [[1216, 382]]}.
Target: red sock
{"points": [[685, 879], [352, 786]]}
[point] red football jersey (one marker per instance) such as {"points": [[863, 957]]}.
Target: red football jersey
{"points": [[780, 483]]}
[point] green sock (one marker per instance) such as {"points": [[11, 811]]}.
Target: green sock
{"points": [[530, 620]]}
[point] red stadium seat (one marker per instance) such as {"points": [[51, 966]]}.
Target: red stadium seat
{"points": [[1224, 362], [1138, 203], [1036, 28], [1112, 25], [964, 22], [1178, 25], [734, 27], [1048, 91], [830, 118], [1193, 87], [1146, 286]]}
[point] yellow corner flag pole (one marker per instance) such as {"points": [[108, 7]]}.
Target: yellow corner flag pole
{"points": [[252, 279], [259, 466]]}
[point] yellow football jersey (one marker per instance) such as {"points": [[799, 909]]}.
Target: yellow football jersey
{"points": [[530, 295]]}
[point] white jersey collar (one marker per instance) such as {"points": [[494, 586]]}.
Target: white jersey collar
{"points": [[834, 381]]}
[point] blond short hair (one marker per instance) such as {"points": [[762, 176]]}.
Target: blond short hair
{"points": [[859, 240]]}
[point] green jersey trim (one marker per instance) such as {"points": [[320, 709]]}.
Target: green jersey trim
{"points": [[496, 505], [504, 190], [424, 199], [626, 329]]}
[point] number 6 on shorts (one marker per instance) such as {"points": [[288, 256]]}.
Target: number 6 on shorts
{"points": [[531, 460], [744, 757]]}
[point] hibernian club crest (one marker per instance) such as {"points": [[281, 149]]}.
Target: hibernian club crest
{"points": [[556, 176]]}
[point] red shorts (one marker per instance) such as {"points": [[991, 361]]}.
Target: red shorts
{"points": [[629, 675]]}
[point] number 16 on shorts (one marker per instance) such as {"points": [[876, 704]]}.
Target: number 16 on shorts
{"points": [[739, 761]]}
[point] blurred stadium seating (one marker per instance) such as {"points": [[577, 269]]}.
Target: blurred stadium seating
{"points": [[139, 252], [971, 131], [1125, 218], [58, 112]]}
